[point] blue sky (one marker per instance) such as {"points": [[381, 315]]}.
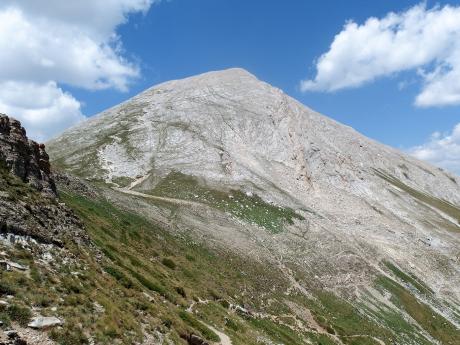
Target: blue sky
{"points": [[278, 41]]}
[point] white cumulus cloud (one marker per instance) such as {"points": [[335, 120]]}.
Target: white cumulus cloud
{"points": [[44, 109], [421, 39], [47, 44], [442, 150]]}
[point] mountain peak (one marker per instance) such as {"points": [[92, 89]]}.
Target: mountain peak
{"points": [[229, 73], [237, 127], [226, 78], [252, 169]]}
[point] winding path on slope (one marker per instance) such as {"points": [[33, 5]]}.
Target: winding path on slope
{"points": [[224, 339], [159, 198], [128, 190]]}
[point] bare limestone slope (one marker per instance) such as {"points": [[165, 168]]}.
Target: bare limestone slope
{"points": [[280, 182]]}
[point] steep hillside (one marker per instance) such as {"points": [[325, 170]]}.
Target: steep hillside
{"points": [[345, 223]]}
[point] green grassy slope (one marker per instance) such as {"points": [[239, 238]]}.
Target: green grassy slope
{"points": [[248, 208]]}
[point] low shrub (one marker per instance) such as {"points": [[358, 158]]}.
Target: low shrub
{"points": [[231, 324], [69, 335], [181, 291], [119, 276], [19, 314], [6, 288], [169, 263]]}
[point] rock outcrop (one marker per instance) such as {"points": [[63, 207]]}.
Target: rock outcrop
{"points": [[25, 158], [29, 207]]}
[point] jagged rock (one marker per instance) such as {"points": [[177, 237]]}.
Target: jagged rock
{"points": [[74, 185], [24, 157], [44, 222], [41, 322], [24, 213]]}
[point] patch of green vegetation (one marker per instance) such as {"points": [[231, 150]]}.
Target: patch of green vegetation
{"points": [[394, 320], [430, 321], [409, 279], [15, 188], [233, 325], [169, 263], [122, 181], [249, 208], [151, 285], [69, 335], [86, 166], [119, 276], [199, 326], [279, 332], [342, 318], [6, 288], [440, 204], [322, 339], [20, 314]]}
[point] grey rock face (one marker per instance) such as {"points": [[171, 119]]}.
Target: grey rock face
{"points": [[23, 157], [364, 203], [42, 220], [74, 184], [28, 204]]}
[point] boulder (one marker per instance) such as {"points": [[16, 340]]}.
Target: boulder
{"points": [[41, 322], [11, 334]]}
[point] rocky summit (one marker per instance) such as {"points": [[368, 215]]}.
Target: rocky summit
{"points": [[219, 210]]}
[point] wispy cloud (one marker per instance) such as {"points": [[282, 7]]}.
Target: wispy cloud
{"points": [[419, 39], [45, 44], [442, 150]]}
